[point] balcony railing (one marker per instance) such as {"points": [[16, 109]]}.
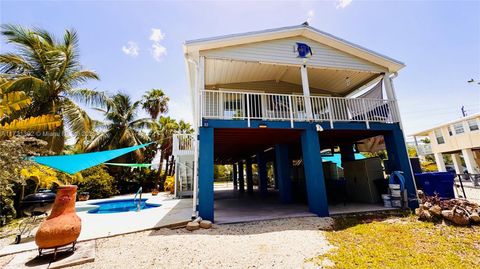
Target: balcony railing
{"points": [[248, 106], [183, 144]]}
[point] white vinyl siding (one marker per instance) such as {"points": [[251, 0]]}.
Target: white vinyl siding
{"points": [[439, 136], [282, 51]]}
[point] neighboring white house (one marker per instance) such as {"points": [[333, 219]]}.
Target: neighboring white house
{"points": [[460, 138]]}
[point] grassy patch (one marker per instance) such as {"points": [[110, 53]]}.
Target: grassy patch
{"points": [[401, 242]]}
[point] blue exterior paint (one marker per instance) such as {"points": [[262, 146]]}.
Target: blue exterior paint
{"points": [[275, 174], [282, 166], [375, 126], [312, 162], [235, 176], [241, 178], [248, 169], [205, 174], [262, 173], [399, 161]]}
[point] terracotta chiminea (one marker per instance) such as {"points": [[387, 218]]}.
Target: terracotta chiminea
{"points": [[63, 226]]}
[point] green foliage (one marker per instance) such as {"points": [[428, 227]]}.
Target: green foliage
{"points": [[122, 128], [12, 161], [222, 173], [382, 154], [97, 182], [155, 102], [49, 71], [169, 184]]}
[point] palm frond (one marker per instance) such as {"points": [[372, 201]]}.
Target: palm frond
{"points": [[89, 97], [99, 141], [76, 119], [40, 123], [14, 63], [13, 101]]}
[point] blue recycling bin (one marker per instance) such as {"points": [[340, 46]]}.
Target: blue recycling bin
{"points": [[437, 183]]}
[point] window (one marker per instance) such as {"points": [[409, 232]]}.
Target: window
{"points": [[439, 136], [449, 131], [473, 125], [458, 127]]}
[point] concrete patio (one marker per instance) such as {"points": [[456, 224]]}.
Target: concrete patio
{"points": [[234, 207], [96, 226]]}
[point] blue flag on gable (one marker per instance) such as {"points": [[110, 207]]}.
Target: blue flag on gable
{"points": [[72, 164], [303, 50]]}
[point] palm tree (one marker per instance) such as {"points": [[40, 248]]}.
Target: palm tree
{"points": [[155, 103], [123, 128], [162, 131], [49, 72], [184, 127]]}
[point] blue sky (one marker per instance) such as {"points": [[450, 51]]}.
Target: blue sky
{"points": [[438, 40]]}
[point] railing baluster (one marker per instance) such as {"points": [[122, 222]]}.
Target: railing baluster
{"points": [[248, 109], [291, 111], [365, 113], [330, 111]]}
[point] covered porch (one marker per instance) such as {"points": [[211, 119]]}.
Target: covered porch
{"points": [[279, 172]]}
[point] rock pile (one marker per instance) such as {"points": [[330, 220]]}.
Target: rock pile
{"points": [[198, 223], [458, 211]]}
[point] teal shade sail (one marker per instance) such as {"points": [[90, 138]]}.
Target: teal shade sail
{"points": [[72, 164], [134, 165]]}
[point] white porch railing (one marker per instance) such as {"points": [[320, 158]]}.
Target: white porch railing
{"points": [[183, 144], [284, 107]]}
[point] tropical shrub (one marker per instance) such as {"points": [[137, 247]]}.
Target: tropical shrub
{"points": [[97, 182], [12, 161], [44, 177], [169, 184]]}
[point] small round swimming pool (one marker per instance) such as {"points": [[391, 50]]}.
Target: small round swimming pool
{"points": [[117, 206]]}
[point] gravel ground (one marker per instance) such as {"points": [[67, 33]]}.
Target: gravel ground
{"points": [[285, 243]]}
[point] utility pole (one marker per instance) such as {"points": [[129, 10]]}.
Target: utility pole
{"points": [[464, 112]]}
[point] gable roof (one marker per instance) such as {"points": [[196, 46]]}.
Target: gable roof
{"points": [[194, 46]]}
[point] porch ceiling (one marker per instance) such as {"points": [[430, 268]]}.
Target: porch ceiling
{"points": [[337, 82], [333, 138], [235, 144]]}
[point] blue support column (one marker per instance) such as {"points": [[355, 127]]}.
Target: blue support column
{"points": [[312, 162], [205, 174], [235, 176], [275, 174], [347, 154], [262, 173], [249, 175], [282, 166], [241, 178], [398, 161]]}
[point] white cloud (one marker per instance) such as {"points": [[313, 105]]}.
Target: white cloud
{"points": [[343, 3], [157, 35], [131, 49], [158, 50]]}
